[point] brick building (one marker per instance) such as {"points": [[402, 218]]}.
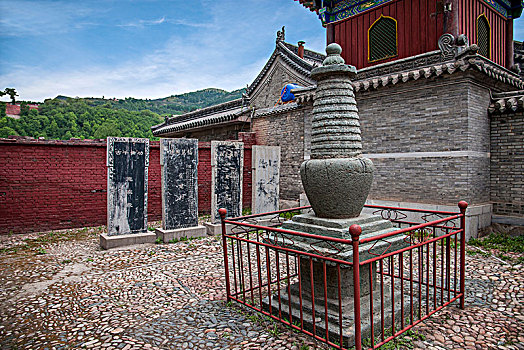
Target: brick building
{"points": [[441, 124], [13, 110]]}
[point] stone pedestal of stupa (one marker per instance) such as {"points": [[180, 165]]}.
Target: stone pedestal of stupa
{"points": [[337, 180]]}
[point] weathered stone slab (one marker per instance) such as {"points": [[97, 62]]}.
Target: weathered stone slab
{"points": [[188, 232], [265, 178], [117, 241], [227, 165], [179, 161], [127, 169], [216, 229]]}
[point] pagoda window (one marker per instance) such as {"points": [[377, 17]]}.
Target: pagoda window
{"points": [[382, 39], [484, 36]]}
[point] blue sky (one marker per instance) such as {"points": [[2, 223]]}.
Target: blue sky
{"points": [[145, 48]]}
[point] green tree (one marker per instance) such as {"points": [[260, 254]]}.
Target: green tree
{"points": [[11, 92], [2, 109], [7, 131], [24, 108], [52, 130], [106, 129]]}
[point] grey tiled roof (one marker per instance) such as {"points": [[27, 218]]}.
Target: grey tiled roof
{"points": [[396, 73], [231, 110], [471, 61], [276, 109], [288, 53], [216, 114]]}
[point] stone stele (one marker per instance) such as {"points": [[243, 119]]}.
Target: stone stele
{"points": [[127, 170], [266, 177], [179, 162], [227, 167]]}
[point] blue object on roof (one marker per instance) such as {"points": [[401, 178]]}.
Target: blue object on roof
{"points": [[286, 95]]}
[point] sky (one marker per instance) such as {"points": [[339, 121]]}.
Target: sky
{"points": [[145, 48]]}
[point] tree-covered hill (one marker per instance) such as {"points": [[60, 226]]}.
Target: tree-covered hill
{"points": [[64, 117], [174, 104]]}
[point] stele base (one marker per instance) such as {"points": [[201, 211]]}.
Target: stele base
{"points": [[216, 229], [187, 232], [117, 241]]}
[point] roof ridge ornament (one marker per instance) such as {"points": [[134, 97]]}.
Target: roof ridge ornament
{"points": [[452, 48], [281, 35]]}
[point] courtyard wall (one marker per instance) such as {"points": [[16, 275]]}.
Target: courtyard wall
{"points": [[507, 164], [49, 184]]}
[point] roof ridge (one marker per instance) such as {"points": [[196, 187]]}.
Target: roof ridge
{"points": [[314, 55], [282, 49], [224, 106]]}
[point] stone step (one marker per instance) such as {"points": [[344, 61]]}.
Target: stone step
{"points": [[311, 219], [333, 317]]}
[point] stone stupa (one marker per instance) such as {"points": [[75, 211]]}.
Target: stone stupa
{"points": [[337, 180]]}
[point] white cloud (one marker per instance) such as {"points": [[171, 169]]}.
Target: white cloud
{"points": [[179, 67], [31, 18], [143, 22]]}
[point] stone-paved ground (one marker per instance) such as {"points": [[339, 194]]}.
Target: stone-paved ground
{"points": [[61, 291]]}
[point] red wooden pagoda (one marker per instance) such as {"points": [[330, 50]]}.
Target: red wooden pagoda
{"points": [[378, 31]]}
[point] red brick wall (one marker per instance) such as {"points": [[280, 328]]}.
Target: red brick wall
{"points": [[46, 185], [15, 109]]}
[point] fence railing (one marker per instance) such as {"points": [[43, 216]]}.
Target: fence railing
{"points": [[355, 291]]}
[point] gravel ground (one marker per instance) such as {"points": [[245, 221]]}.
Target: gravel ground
{"points": [[60, 291]]}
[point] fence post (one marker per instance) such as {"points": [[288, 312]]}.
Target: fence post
{"points": [[355, 231], [223, 212], [463, 206]]}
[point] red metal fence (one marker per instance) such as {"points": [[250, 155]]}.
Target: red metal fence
{"points": [[360, 290]]}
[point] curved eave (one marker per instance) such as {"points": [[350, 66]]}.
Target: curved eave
{"points": [[505, 103], [207, 121], [181, 133], [276, 110], [473, 62], [229, 106]]}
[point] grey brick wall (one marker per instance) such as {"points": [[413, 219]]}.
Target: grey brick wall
{"points": [[440, 114], [287, 131], [444, 114], [280, 74], [437, 180], [507, 164]]}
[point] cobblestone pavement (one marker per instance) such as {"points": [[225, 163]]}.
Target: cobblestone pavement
{"points": [[58, 292]]}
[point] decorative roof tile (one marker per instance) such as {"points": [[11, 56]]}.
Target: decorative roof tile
{"points": [[216, 114], [507, 102], [276, 110], [212, 119], [471, 61], [395, 75], [288, 53]]}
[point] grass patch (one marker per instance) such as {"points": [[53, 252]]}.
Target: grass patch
{"points": [[40, 251], [289, 214], [34, 245], [501, 242], [404, 341]]}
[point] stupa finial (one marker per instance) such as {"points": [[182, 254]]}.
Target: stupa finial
{"points": [[333, 55]]}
